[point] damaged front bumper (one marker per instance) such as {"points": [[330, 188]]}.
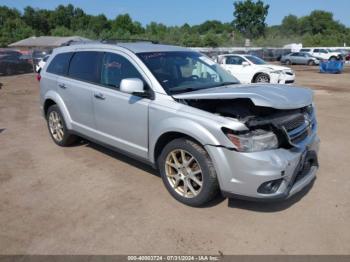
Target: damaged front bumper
{"points": [[241, 175], [282, 78]]}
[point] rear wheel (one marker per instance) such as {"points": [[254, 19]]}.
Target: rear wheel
{"points": [[311, 62], [9, 71], [188, 172], [262, 78], [333, 58], [57, 127], [288, 62]]}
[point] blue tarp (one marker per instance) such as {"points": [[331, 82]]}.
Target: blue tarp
{"points": [[332, 67]]}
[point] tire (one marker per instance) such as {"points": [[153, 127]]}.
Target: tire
{"points": [[262, 78], [192, 182], [9, 71], [311, 62], [288, 62], [332, 58], [57, 127]]}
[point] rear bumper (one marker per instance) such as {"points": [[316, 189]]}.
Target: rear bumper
{"points": [[241, 174]]}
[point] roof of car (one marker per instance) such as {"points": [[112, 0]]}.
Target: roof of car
{"points": [[142, 47], [135, 47]]}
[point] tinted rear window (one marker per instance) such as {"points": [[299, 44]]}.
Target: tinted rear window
{"points": [[59, 64], [86, 66]]}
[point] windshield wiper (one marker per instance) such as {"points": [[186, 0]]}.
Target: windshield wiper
{"points": [[184, 90], [228, 83]]}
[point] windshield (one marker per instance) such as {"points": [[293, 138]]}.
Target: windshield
{"points": [[255, 60], [180, 72]]}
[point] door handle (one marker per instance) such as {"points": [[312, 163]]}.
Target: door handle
{"points": [[63, 86], [99, 96]]}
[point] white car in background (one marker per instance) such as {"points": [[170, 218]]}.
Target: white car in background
{"points": [[322, 53], [252, 69], [41, 63]]}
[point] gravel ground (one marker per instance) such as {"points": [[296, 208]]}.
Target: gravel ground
{"points": [[89, 200]]}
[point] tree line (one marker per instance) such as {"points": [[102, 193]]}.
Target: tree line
{"points": [[316, 29]]}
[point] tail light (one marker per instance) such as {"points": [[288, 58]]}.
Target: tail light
{"points": [[38, 77]]}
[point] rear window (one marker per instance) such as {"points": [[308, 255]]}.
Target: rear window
{"points": [[305, 50], [86, 66], [59, 64]]}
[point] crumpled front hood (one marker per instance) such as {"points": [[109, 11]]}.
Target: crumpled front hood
{"points": [[274, 96]]}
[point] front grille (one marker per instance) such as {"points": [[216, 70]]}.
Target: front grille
{"points": [[294, 123], [298, 128], [289, 82]]}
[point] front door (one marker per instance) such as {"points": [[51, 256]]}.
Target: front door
{"points": [[234, 64], [121, 119]]}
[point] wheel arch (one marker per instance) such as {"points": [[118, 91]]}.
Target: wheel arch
{"points": [[166, 138], [172, 128], [52, 98]]}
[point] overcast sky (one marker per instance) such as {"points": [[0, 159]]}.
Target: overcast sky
{"points": [[178, 12]]}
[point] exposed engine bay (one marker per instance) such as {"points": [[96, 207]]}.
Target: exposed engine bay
{"points": [[291, 126]]}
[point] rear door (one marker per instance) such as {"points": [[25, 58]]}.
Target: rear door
{"points": [[121, 118], [76, 89]]}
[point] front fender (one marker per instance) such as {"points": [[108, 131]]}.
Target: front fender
{"points": [[180, 125], [54, 96]]}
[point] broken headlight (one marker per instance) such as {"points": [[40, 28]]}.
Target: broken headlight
{"points": [[253, 141]]}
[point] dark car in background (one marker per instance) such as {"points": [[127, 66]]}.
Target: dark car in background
{"points": [[13, 62]]}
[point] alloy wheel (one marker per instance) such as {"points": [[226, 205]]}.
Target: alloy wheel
{"points": [[184, 173], [262, 79], [56, 126]]}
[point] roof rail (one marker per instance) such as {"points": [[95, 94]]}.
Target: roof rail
{"points": [[77, 42], [124, 40]]}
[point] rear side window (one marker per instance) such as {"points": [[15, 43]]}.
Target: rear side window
{"points": [[86, 66], [59, 64], [115, 68]]}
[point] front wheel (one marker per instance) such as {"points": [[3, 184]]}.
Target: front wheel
{"points": [[188, 172], [262, 78]]}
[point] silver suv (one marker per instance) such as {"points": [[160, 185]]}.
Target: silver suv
{"points": [[182, 113]]}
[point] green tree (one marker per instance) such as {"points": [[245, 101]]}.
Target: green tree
{"points": [[290, 25], [99, 23], [250, 17], [61, 31], [13, 30]]}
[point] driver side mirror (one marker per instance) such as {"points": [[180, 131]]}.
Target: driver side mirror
{"points": [[245, 63], [133, 86]]}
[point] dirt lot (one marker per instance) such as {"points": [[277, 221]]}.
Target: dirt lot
{"points": [[89, 200]]}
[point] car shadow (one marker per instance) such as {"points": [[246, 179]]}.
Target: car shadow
{"points": [[121, 157], [269, 207], [264, 207]]}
